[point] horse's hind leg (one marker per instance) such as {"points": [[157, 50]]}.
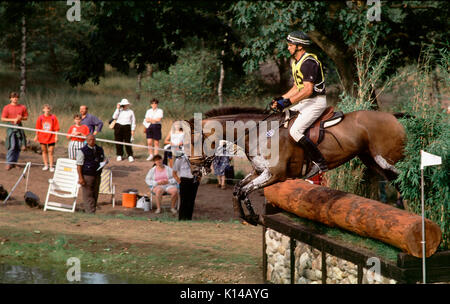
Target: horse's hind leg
{"points": [[386, 170]]}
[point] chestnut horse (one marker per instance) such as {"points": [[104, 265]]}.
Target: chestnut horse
{"points": [[377, 138]]}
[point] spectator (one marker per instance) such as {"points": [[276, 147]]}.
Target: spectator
{"points": [[88, 162], [220, 163], [94, 124], [152, 123], [124, 128], [188, 187], [14, 113], [76, 143], [175, 140], [47, 122], [160, 180]]}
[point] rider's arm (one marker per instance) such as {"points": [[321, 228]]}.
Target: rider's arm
{"points": [[303, 93], [291, 92]]}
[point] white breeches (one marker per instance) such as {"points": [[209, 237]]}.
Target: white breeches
{"points": [[309, 110]]}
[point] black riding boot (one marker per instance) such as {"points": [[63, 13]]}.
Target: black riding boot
{"points": [[313, 153]]}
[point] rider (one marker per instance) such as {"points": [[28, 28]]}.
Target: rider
{"points": [[307, 93]]}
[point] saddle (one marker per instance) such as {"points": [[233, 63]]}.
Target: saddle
{"points": [[316, 131]]}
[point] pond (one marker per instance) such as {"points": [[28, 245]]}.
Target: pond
{"points": [[14, 274]]}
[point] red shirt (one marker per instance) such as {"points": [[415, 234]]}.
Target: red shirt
{"points": [[83, 129], [11, 111], [48, 123]]}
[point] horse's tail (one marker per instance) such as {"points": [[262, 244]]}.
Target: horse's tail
{"points": [[403, 115]]}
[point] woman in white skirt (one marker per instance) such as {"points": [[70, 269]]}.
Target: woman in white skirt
{"points": [[76, 142]]}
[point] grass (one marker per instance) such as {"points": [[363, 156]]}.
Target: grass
{"points": [[140, 263]]}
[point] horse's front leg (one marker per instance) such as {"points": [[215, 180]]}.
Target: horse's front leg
{"points": [[238, 196], [263, 180]]}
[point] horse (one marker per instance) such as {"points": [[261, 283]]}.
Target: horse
{"points": [[377, 138]]}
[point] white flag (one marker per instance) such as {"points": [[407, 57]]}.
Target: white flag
{"points": [[428, 159]]}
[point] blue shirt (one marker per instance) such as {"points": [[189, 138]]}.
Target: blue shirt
{"points": [[91, 121]]}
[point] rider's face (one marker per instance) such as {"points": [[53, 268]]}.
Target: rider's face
{"points": [[292, 48]]}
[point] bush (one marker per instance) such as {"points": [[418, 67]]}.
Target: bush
{"points": [[428, 130]]}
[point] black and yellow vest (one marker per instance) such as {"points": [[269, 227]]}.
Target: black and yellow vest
{"points": [[319, 88]]}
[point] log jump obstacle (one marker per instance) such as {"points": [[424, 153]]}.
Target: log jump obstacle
{"points": [[365, 217]]}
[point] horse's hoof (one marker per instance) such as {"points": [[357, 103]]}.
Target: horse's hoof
{"points": [[252, 219]]}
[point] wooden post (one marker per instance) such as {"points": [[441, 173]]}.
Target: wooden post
{"points": [[363, 216]]}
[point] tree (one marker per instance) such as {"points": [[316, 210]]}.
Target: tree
{"points": [[15, 16], [335, 27], [142, 33]]}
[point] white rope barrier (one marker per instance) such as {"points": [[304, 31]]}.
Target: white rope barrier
{"points": [[83, 137]]}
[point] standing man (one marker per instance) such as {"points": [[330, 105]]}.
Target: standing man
{"points": [[188, 187], [307, 93], [94, 124], [88, 161], [14, 113]]}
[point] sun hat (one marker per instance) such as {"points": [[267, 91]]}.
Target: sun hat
{"points": [[124, 102]]}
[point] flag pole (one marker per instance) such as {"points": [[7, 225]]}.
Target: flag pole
{"points": [[423, 231]]}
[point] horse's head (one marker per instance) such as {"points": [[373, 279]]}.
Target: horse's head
{"points": [[200, 162]]}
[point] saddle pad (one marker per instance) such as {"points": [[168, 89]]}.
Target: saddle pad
{"points": [[327, 119]]}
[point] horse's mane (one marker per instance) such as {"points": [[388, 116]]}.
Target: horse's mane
{"points": [[230, 111], [234, 110]]}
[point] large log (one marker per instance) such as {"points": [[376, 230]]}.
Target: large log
{"points": [[363, 216]]}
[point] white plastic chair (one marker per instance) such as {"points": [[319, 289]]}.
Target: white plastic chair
{"points": [[64, 184], [107, 186]]}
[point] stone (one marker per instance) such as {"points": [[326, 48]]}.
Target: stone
{"points": [[318, 274], [269, 272], [310, 274], [301, 280], [317, 263], [337, 273], [303, 260], [353, 279]]}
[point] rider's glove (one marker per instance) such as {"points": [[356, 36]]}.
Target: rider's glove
{"points": [[283, 103], [131, 139], [277, 98]]}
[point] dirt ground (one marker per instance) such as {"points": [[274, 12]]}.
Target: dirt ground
{"points": [[211, 203]]}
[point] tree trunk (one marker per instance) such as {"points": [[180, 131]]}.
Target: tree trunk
{"points": [[283, 67], [222, 76], [360, 215], [149, 70], [13, 60], [23, 60], [139, 85], [342, 57]]}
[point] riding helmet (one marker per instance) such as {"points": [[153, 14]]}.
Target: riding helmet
{"points": [[298, 38]]}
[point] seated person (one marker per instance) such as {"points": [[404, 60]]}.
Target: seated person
{"points": [[160, 179]]}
